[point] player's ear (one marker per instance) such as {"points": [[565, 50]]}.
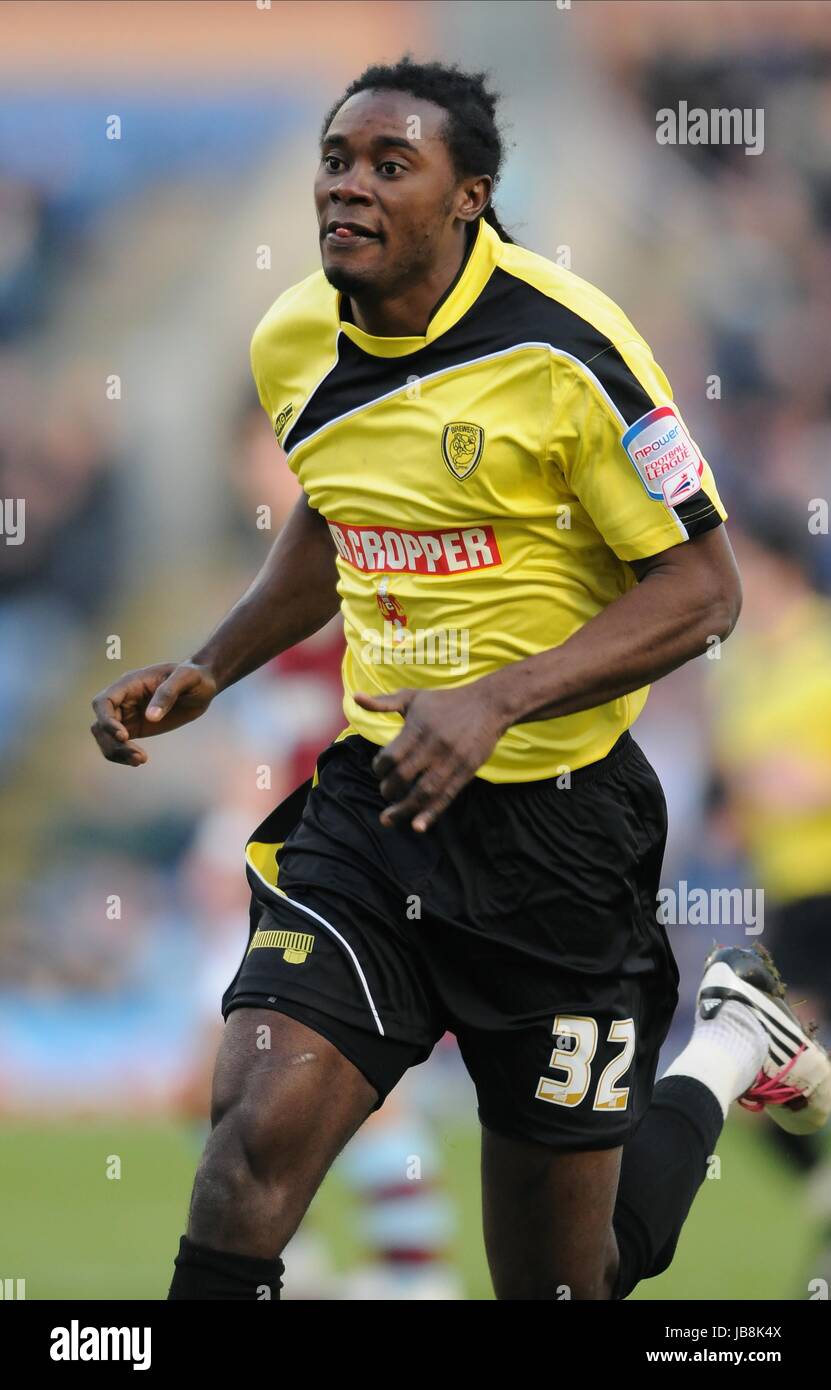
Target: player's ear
{"points": [[475, 194]]}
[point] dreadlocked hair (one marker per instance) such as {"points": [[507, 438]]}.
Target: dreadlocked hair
{"points": [[470, 132]]}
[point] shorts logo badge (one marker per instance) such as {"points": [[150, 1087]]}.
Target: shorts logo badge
{"points": [[295, 945], [461, 447]]}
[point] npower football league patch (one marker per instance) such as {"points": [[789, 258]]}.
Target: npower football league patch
{"points": [[665, 458]]}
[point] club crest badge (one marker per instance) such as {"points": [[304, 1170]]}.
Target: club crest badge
{"points": [[461, 447]]}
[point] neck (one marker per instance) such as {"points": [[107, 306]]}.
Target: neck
{"points": [[408, 312]]}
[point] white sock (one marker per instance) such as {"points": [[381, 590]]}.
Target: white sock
{"points": [[725, 1052]]}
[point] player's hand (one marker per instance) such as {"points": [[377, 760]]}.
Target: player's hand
{"points": [[447, 736], [153, 700]]}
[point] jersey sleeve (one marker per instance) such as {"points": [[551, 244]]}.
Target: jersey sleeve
{"points": [[626, 453], [257, 356], [271, 364]]}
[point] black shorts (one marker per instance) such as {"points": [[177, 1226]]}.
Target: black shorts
{"points": [[523, 921]]}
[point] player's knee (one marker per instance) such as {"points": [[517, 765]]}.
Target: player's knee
{"points": [[223, 1101], [256, 1145], [244, 1182]]}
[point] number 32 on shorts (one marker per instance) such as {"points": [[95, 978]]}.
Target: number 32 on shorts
{"points": [[576, 1044]]}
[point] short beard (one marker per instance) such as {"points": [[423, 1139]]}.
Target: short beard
{"points": [[350, 285], [372, 291]]}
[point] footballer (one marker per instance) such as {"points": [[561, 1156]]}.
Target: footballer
{"points": [[492, 468]]}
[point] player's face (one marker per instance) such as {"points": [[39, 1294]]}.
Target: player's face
{"points": [[386, 193]]}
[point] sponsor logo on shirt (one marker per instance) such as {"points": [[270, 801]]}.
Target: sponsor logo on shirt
{"points": [[664, 456], [419, 552]]}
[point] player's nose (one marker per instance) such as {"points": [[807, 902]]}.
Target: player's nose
{"points": [[348, 197], [350, 188]]}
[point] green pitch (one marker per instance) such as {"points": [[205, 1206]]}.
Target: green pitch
{"points": [[73, 1232]]}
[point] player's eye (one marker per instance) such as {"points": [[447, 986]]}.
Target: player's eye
{"points": [[390, 167], [329, 160]]}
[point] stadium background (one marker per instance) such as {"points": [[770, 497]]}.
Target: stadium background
{"points": [[138, 258]]}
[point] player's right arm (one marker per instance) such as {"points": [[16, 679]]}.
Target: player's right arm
{"points": [[293, 596]]}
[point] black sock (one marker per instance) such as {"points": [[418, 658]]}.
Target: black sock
{"points": [[204, 1273], [663, 1166]]}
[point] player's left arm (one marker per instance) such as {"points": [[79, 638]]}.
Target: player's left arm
{"points": [[687, 596]]}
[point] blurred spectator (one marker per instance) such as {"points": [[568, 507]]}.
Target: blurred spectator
{"points": [[773, 741]]}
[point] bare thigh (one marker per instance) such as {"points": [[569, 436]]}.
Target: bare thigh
{"points": [[548, 1219], [285, 1102]]}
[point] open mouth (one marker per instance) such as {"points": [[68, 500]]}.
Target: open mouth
{"points": [[348, 233]]}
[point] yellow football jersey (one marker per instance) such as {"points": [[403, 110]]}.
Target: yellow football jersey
{"points": [[485, 483]]}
